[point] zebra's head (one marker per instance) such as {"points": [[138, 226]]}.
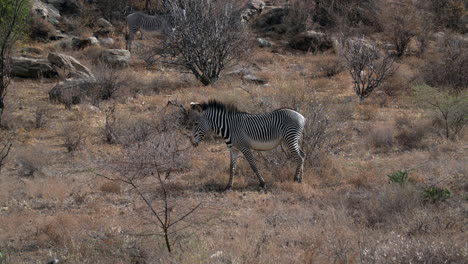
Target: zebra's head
{"points": [[201, 125]]}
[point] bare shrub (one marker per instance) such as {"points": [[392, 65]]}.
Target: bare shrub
{"points": [[206, 37], [152, 163], [450, 67], [449, 13], [410, 134], [110, 187], [381, 137], [73, 135], [400, 25], [366, 67], [4, 151], [330, 67], [109, 81], [40, 118], [395, 85]]}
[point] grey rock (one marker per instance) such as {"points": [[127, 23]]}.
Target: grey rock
{"points": [[252, 9], [58, 35], [32, 68], [116, 57], [72, 67], [93, 41], [46, 11], [72, 91], [66, 6], [64, 44], [311, 41], [106, 41], [253, 79], [80, 43], [103, 23], [31, 52], [263, 43]]}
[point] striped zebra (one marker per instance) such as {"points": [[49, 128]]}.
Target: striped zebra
{"points": [[141, 21], [244, 132]]}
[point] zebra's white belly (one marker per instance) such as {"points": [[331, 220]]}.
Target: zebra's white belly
{"points": [[258, 145]]}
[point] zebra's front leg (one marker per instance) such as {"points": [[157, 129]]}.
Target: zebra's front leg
{"points": [[232, 169], [250, 158]]}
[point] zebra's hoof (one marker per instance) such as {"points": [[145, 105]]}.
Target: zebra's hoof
{"points": [[227, 188], [263, 186], [299, 180]]}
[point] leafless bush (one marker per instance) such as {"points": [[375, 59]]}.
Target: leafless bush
{"points": [[40, 119], [4, 151], [330, 67], [73, 135], [410, 134], [109, 81], [151, 164], [126, 130], [400, 24], [381, 137], [449, 13], [366, 67], [450, 68], [205, 38]]}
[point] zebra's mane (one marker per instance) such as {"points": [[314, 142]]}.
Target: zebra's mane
{"points": [[213, 104]]}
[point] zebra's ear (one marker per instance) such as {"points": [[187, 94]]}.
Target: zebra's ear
{"points": [[196, 106]]}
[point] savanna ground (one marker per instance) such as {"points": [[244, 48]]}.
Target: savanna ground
{"points": [[55, 204]]}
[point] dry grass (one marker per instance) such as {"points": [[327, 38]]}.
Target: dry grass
{"points": [[346, 211]]}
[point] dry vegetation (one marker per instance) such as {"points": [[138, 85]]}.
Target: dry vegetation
{"points": [[385, 180]]}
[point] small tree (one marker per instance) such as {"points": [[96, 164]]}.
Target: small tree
{"points": [[205, 36], [366, 67], [450, 109], [13, 18]]}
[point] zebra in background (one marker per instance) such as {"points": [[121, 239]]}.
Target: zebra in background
{"points": [[244, 132], [141, 21]]}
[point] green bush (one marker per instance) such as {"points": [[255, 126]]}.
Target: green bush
{"points": [[3, 257], [400, 177], [434, 194]]}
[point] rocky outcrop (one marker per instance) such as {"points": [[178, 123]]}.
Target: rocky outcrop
{"points": [[253, 79], [32, 68], [72, 68], [116, 57], [311, 41], [252, 9], [46, 11]]}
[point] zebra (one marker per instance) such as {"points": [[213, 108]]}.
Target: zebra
{"points": [[141, 21], [244, 132]]}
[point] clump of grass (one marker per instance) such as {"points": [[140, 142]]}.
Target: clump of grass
{"points": [[400, 177]]}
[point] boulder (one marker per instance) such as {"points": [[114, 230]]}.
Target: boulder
{"points": [[311, 41], [46, 11], [58, 35], [106, 41], [103, 23], [272, 21], [116, 57], [263, 43], [66, 6], [64, 44], [253, 79], [81, 43], [252, 9], [72, 67], [72, 91], [30, 52], [32, 68]]}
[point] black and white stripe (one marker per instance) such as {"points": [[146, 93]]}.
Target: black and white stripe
{"points": [[141, 21]]}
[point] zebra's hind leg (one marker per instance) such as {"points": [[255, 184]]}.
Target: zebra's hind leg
{"points": [[232, 169], [250, 158], [299, 158]]}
